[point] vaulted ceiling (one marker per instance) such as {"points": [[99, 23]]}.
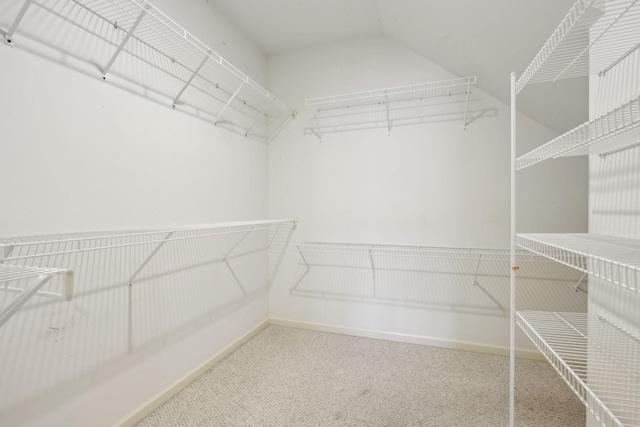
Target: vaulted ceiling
{"points": [[488, 39]]}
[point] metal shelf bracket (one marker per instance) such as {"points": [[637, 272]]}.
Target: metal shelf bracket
{"points": [[8, 37]]}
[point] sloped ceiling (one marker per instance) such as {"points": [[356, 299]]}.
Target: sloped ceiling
{"points": [[488, 39]]}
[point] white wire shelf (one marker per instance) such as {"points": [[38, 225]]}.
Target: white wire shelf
{"points": [[599, 361], [460, 279], [592, 38], [155, 40], [35, 278], [614, 259], [613, 132], [388, 105], [59, 244]]}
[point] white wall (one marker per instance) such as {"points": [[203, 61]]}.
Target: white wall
{"points": [[78, 153], [433, 184]]}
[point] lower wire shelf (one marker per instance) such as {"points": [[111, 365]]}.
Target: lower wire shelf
{"points": [[598, 360]]}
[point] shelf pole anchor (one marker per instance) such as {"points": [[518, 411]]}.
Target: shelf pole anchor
{"points": [[123, 43], [466, 106], [8, 37], [258, 119], [193, 76], [228, 103]]}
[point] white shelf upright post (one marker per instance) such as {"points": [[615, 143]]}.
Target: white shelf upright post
{"points": [[514, 267]]}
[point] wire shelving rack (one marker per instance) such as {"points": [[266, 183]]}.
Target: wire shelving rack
{"points": [[35, 278], [598, 360], [612, 132], [200, 77], [389, 104], [462, 279], [593, 38]]}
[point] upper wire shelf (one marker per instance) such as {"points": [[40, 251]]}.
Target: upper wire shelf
{"points": [[592, 38], [390, 105], [200, 77], [613, 259], [598, 360], [612, 132]]}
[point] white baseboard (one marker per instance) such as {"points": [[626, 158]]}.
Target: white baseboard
{"points": [[151, 405], [407, 338]]}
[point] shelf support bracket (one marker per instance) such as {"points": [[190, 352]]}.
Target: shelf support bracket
{"points": [[281, 127], [466, 106], [8, 38], [577, 287], [281, 257], [193, 76], [151, 255], [258, 119], [386, 104], [373, 269], [123, 43], [22, 299], [617, 150], [228, 103], [475, 277], [233, 273]]}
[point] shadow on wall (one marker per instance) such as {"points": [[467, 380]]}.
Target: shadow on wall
{"points": [[152, 64], [445, 279], [132, 302]]}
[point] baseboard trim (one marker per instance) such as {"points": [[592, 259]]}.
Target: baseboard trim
{"points": [[145, 409], [407, 338]]}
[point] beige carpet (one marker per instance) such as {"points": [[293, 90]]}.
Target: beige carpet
{"points": [[293, 377]]}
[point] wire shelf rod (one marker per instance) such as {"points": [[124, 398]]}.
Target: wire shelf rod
{"points": [[76, 237]]}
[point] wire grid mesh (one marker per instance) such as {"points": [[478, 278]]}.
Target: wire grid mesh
{"points": [[614, 131], [598, 360], [459, 279], [593, 37], [160, 56], [614, 259], [396, 94], [9, 272], [135, 291]]}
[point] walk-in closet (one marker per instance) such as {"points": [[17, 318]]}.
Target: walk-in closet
{"points": [[320, 213]]}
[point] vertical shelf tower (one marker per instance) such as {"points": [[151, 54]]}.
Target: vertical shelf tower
{"points": [[598, 359]]}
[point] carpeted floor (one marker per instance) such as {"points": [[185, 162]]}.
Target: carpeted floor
{"points": [[293, 377]]}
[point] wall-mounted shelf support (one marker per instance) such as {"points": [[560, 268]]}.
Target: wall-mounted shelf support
{"points": [[466, 106], [193, 76], [256, 121], [584, 275], [151, 255], [40, 277], [386, 105], [8, 38], [475, 276], [229, 103], [123, 43]]}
